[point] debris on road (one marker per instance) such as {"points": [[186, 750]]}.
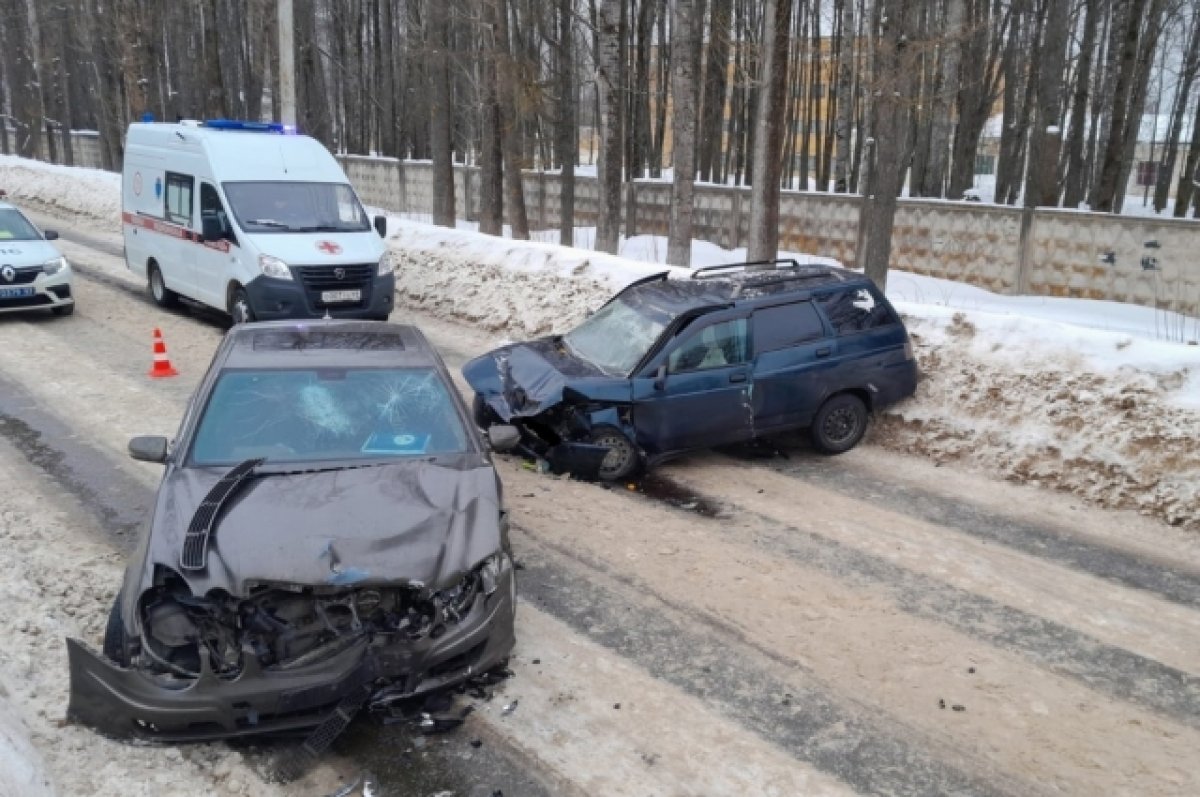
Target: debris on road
{"points": [[510, 708]]}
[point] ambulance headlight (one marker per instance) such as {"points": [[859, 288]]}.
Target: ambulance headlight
{"points": [[386, 265], [274, 267], [53, 266]]}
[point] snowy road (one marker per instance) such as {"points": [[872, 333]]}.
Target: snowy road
{"points": [[761, 625]]}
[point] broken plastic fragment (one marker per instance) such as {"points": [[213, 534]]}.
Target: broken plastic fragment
{"points": [[510, 708]]}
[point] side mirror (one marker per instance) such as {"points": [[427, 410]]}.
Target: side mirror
{"points": [[503, 437], [149, 449], [660, 377], [381, 226], [50, 235], [211, 228]]}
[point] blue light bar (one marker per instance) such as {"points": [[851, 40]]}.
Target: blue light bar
{"points": [[238, 124]]}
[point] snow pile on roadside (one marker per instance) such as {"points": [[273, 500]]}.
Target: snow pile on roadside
{"points": [[1072, 394], [90, 192], [22, 773]]}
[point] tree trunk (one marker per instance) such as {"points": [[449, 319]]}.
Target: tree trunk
{"points": [[949, 81], [1137, 98], [441, 103], [21, 69], [713, 107], [491, 170], [1110, 167], [686, 21], [510, 141], [566, 129], [1045, 137], [1183, 95], [892, 77], [608, 86], [1076, 169], [1186, 188], [763, 243]]}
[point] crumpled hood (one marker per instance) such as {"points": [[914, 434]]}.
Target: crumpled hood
{"points": [[409, 521], [525, 379]]}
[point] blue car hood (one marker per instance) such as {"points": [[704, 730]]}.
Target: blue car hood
{"points": [[525, 379]]}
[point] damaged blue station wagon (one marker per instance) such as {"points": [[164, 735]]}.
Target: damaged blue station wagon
{"points": [[732, 354]]}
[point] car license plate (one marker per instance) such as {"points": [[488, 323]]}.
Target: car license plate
{"points": [[341, 296], [14, 293]]}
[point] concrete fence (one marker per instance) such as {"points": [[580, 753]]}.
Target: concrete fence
{"points": [[1151, 261]]}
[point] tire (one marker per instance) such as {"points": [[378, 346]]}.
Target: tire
{"points": [[64, 310], [239, 306], [839, 424], [622, 460], [159, 292], [115, 648]]}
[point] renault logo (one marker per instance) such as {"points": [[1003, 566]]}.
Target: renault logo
{"points": [[9, 273], [339, 273]]}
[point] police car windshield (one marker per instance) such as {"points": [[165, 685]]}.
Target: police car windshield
{"points": [[296, 207], [323, 415], [15, 227]]}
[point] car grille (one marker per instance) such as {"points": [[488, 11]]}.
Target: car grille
{"points": [[24, 276], [357, 276]]}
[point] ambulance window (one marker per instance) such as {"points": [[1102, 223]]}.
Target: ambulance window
{"points": [[179, 198]]}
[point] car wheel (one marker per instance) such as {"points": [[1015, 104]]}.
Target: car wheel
{"points": [[622, 458], [159, 292], [65, 309], [840, 424], [115, 648], [239, 307]]}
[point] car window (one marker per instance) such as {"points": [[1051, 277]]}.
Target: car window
{"points": [[15, 227], [854, 310], [713, 346], [786, 325], [311, 415], [179, 198], [211, 207]]}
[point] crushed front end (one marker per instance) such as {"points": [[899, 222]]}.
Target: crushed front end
{"points": [[280, 659]]}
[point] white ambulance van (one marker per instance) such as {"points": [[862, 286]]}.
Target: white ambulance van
{"points": [[251, 219]]}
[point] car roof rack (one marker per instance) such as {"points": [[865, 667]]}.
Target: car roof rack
{"points": [[779, 271]]}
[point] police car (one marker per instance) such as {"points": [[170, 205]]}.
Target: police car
{"points": [[33, 273]]}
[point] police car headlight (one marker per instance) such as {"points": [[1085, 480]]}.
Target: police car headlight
{"points": [[53, 266], [274, 267], [386, 265]]}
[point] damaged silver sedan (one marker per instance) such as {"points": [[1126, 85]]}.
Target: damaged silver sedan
{"points": [[329, 530]]}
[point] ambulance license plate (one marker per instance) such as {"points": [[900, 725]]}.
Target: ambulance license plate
{"points": [[341, 296], [16, 293]]}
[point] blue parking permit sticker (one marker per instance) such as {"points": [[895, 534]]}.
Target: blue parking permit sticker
{"points": [[393, 443]]}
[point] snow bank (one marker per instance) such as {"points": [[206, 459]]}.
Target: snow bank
{"points": [[22, 773], [90, 192]]}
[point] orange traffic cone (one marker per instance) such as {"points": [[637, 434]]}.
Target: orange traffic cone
{"points": [[162, 365]]}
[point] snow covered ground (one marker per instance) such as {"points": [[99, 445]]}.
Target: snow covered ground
{"points": [[1083, 395]]}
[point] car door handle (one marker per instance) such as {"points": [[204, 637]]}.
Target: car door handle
{"points": [[824, 352], [740, 376]]}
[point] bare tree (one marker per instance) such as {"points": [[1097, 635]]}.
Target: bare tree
{"points": [[685, 90], [608, 86], [510, 143], [1045, 137], [441, 101], [1076, 170], [763, 242], [942, 123], [566, 134], [716, 69], [1183, 95], [21, 70]]}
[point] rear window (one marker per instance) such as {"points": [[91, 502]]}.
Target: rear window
{"points": [[855, 310], [785, 326], [314, 415]]}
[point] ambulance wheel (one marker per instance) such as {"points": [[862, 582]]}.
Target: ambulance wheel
{"points": [[239, 306], [159, 292]]}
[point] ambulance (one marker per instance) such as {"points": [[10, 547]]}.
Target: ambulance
{"points": [[251, 219]]}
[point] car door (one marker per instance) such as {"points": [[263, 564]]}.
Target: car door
{"points": [[793, 355], [211, 262], [703, 399], [868, 336]]}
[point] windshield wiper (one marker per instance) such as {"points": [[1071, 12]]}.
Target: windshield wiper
{"points": [[326, 228], [269, 223]]}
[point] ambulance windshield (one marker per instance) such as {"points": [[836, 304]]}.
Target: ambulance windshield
{"points": [[296, 207]]}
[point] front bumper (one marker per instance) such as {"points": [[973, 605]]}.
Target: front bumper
{"points": [[276, 299], [45, 293], [125, 702]]}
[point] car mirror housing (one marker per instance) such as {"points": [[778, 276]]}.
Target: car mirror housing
{"points": [[149, 449], [503, 437], [50, 235], [381, 226], [211, 228]]}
